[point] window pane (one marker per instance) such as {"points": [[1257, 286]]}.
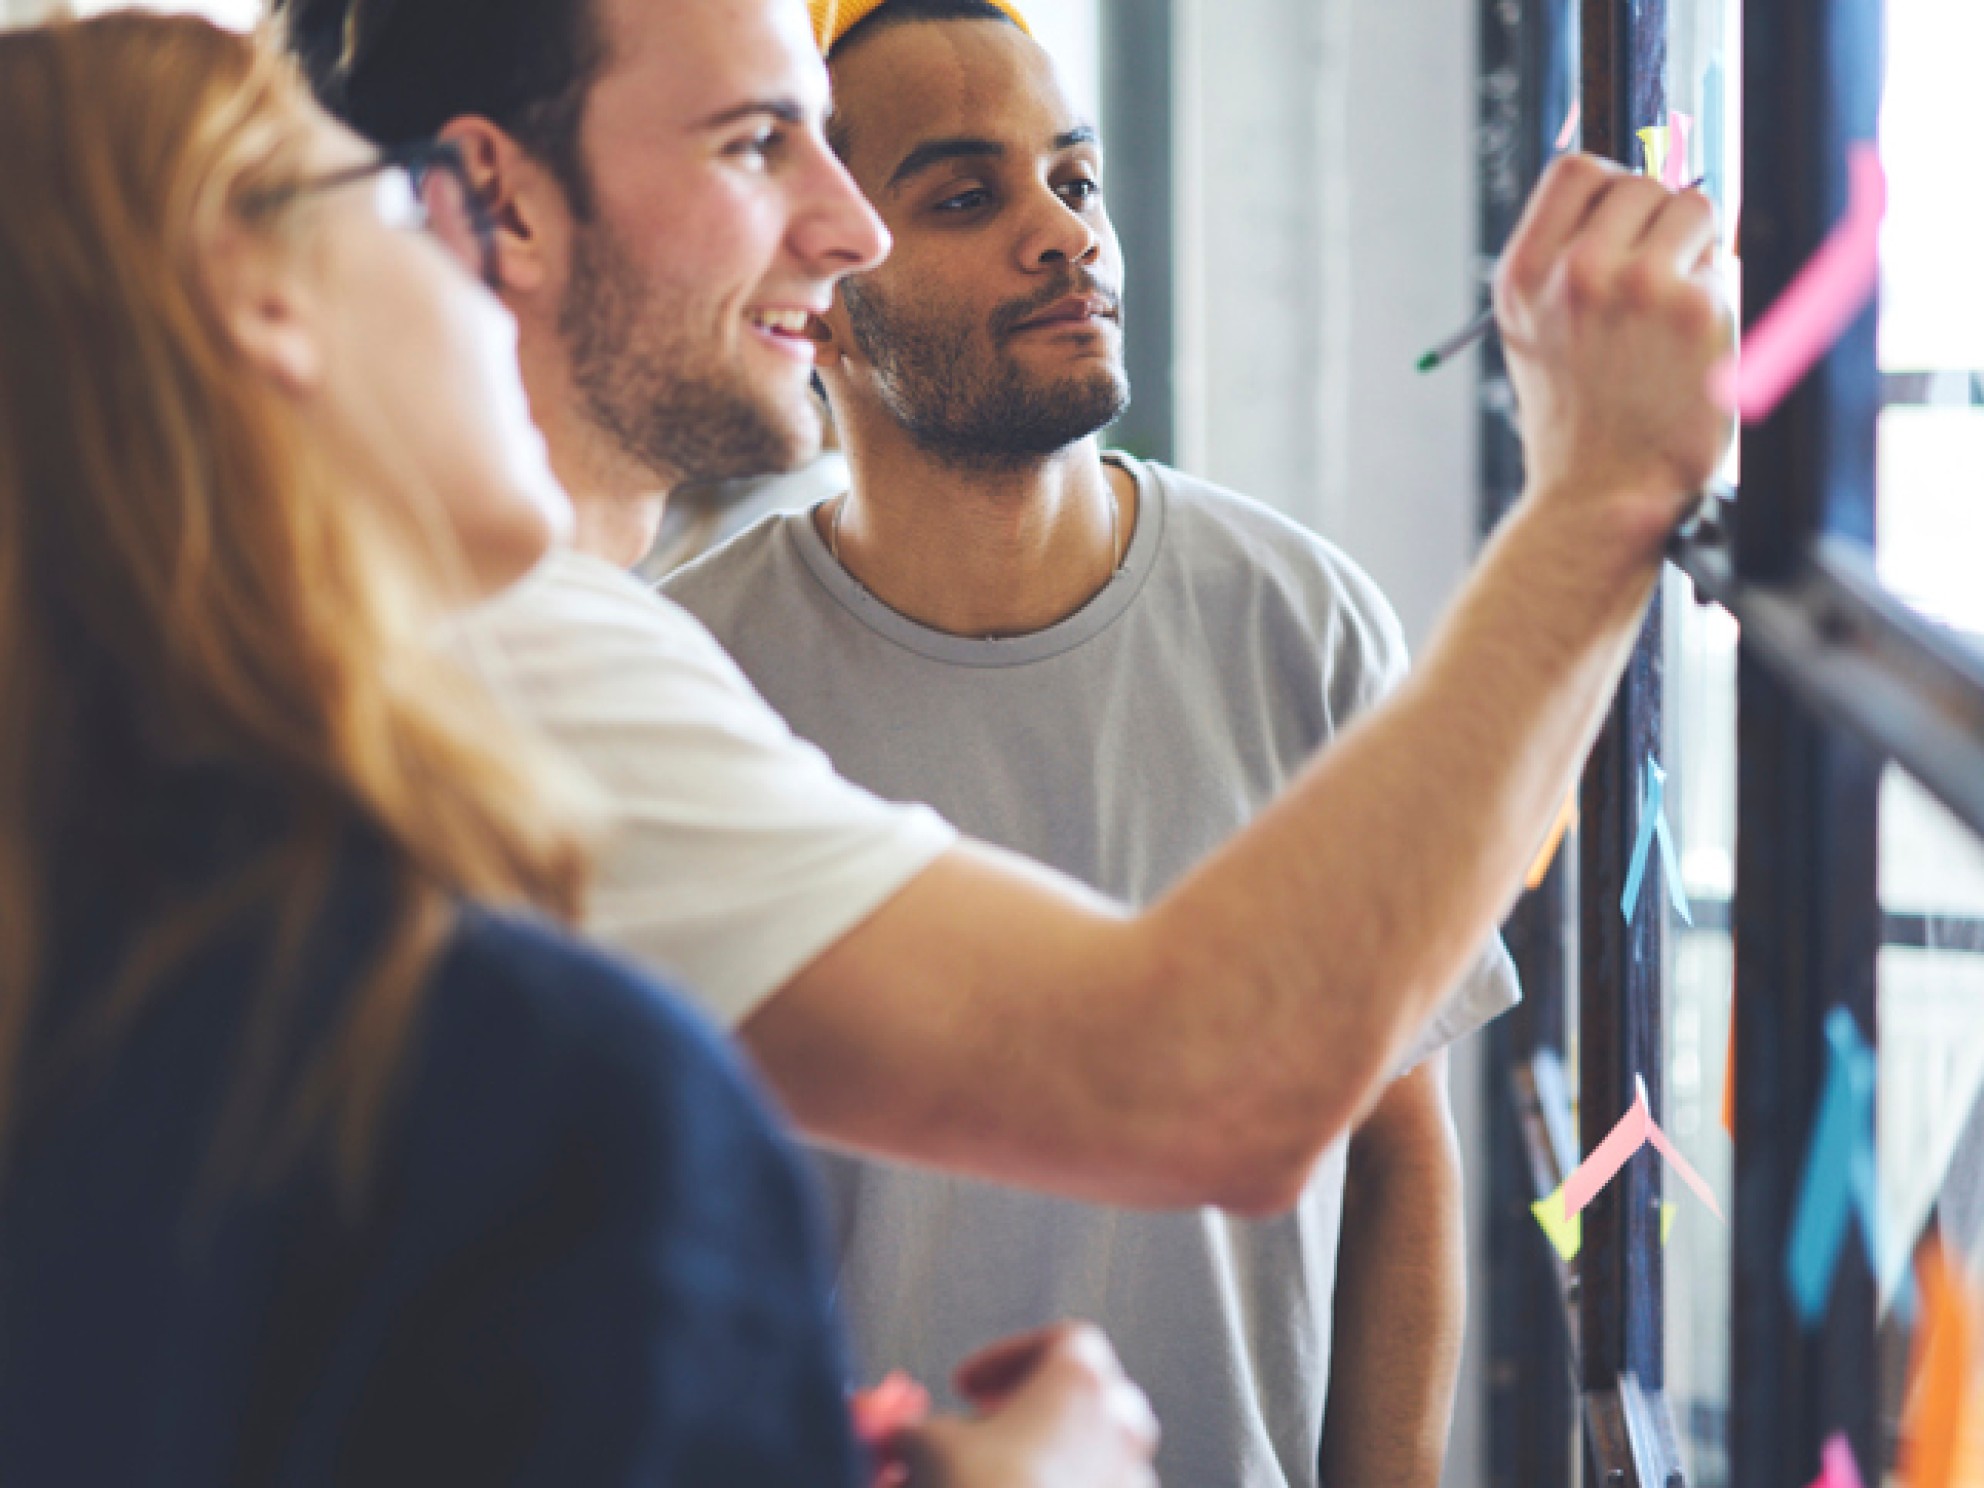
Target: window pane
{"points": [[1701, 793], [1932, 296], [1931, 510], [1929, 1123]]}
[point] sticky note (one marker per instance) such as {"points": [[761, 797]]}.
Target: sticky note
{"points": [[1838, 1180], [1819, 305], [1572, 120], [1729, 1075], [1653, 144], [1634, 1130], [1567, 817], [1566, 1231], [1654, 829], [1837, 1469], [1674, 168], [1939, 1424]]}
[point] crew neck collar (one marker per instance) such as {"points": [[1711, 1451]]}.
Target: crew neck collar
{"points": [[1090, 620]]}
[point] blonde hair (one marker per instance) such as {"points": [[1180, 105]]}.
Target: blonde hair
{"points": [[183, 584]]}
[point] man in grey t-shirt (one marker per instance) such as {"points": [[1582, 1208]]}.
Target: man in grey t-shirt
{"points": [[1111, 668]]}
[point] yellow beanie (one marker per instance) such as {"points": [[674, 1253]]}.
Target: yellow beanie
{"points": [[833, 19]]}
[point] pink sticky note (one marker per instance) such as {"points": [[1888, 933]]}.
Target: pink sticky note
{"points": [[1674, 174], [1682, 1166], [1819, 305], [1571, 121], [1609, 1156], [1837, 1469], [1635, 1130]]}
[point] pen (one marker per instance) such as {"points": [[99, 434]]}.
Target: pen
{"points": [[1482, 324]]}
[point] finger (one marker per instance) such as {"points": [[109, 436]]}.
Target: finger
{"points": [[994, 1372], [1622, 217], [1133, 1408], [1681, 232], [1558, 209]]}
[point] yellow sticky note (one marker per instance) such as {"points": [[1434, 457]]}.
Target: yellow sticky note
{"points": [[1654, 140], [1566, 1231], [1567, 1234]]}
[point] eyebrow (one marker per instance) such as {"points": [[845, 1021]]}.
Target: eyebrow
{"points": [[935, 152], [785, 110]]}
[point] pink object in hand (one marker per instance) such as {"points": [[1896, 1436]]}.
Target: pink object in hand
{"points": [[882, 1414], [1819, 305]]}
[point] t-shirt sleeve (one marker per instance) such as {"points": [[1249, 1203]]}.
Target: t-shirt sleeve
{"points": [[736, 854], [1368, 658]]}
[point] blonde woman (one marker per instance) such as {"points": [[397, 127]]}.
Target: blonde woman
{"points": [[323, 1157]]}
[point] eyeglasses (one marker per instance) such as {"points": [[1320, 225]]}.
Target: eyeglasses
{"points": [[421, 187]]}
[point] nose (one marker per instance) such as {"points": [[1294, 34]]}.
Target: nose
{"points": [[1058, 235], [835, 231]]}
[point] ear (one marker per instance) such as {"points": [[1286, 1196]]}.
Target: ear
{"points": [[528, 207], [271, 315]]}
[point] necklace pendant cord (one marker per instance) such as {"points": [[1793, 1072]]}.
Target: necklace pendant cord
{"points": [[1115, 532]]}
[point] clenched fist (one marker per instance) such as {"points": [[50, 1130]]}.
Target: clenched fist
{"points": [[1612, 317]]}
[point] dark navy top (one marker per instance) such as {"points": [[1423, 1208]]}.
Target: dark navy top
{"points": [[586, 1257]]}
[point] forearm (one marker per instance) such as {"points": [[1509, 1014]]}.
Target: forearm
{"points": [[1400, 1315], [1336, 924], [997, 1019]]}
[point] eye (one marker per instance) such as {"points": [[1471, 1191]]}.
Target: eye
{"points": [[758, 147], [1082, 190], [964, 201]]}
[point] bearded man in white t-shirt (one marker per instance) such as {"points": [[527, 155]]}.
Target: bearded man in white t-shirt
{"points": [[668, 215]]}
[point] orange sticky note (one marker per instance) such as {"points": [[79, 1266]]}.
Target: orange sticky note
{"points": [[1567, 817], [1940, 1412], [1729, 1075]]}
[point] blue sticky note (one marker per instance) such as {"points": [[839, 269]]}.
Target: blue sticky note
{"points": [[1654, 828], [1838, 1184]]}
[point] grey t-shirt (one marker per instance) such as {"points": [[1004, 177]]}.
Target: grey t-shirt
{"points": [[1121, 745]]}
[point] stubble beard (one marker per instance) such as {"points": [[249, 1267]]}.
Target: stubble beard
{"points": [[663, 401], [975, 411]]}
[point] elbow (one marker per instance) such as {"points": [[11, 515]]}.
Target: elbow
{"points": [[1259, 1177]]}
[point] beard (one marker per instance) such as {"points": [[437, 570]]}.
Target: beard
{"points": [[972, 408], [665, 401]]}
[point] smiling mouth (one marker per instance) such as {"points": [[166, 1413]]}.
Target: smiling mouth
{"points": [[779, 322]]}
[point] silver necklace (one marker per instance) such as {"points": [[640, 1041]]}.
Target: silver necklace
{"points": [[1115, 532]]}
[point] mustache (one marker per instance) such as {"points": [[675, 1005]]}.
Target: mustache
{"points": [[1016, 313]]}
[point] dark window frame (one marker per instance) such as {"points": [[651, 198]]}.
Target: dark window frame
{"points": [[1837, 679]]}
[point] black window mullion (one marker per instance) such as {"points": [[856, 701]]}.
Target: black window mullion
{"points": [[1621, 1323], [1807, 913], [1527, 85]]}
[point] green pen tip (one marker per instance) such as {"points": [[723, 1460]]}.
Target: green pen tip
{"points": [[1429, 361]]}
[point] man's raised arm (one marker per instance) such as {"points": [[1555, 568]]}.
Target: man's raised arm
{"points": [[994, 1018]]}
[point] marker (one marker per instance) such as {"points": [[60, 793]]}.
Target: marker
{"points": [[1460, 340]]}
